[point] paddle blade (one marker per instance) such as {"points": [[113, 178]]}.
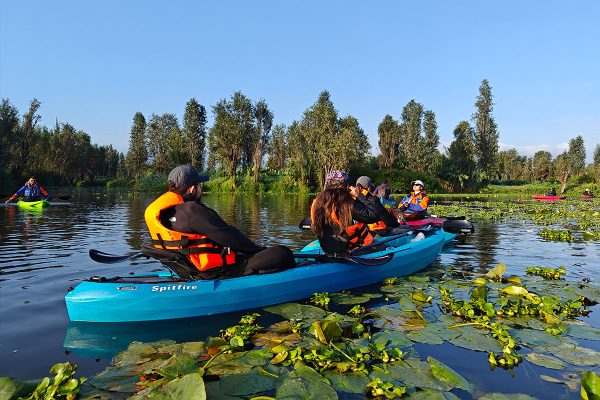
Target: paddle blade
{"points": [[305, 223], [106, 258]]}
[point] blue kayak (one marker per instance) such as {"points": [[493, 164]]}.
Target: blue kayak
{"points": [[163, 296]]}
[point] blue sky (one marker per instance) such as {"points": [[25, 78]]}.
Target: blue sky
{"points": [[94, 64]]}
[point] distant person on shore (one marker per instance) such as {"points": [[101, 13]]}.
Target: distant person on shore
{"points": [[552, 192], [414, 205], [31, 191], [180, 223], [588, 192]]}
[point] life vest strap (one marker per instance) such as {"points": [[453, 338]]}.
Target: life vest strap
{"points": [[183, 242]]}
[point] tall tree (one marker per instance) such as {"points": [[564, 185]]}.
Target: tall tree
{"points": [[278, 149], [411, 141], [541, 165], [459, 166], [389, 139], [486, 131], [9, 126], [26, 138], [596, 164], [231, 132], [431, 142], [570, 163], [137, 155], [163, 141], [194, 131], [260, 138]]}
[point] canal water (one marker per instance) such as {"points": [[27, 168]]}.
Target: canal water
{"points": [[44, 252]]}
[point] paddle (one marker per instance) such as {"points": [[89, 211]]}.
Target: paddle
{"points": [[106, 258]]}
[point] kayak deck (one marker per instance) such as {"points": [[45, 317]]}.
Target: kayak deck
{"points": [[33, 204], [138, 298]]}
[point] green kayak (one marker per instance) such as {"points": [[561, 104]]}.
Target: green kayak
{"points": [[33, 204]]}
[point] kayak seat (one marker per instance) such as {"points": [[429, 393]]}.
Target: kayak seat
{"points": [[173, 260]]}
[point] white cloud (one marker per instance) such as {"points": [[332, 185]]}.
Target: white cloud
{"points": [[530, 150]]}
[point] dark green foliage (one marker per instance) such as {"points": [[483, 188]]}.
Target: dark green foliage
{"points": [[542, 164], [278, 148], [261, 135], [137, 155], [194, 132], [389, 140], [486, 132], [459, 167]]}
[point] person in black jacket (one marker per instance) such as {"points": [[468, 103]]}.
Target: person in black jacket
{"points": [[191, 216]]}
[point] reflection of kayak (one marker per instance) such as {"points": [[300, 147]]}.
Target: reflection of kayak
{"points": [[33, 204], [161, 296], [549, 198]]}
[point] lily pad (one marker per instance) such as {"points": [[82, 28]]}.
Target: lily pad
{"points": [[295, 311], [12, 389], [190, 387], [239, 363], [447, 375], [506, 396], [545, 361], [433, 395], [271, 339], [354, 382], [305, 383], [349, 299], [394, 338], [416, 378], [577, 355], [584, 332], [424, 335], [247, 384], [475, 339]]}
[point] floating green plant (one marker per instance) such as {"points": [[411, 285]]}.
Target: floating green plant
{"points": [[561, 235], [321, 299], [547, 273]]}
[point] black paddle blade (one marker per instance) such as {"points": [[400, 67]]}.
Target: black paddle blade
{"points": [[369, 261], [106, 258], [305, 223]]}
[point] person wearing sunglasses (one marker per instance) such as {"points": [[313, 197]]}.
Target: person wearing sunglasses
{"points": [[31, 191], [414, 205]]}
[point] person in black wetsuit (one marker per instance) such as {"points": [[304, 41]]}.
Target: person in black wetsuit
{"points": [[214, 247]]}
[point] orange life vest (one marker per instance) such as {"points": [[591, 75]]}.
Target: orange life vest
{"points": [[377, 226], [199, 249], [357, 234]]}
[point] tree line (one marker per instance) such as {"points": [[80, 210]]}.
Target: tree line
{"points": [[244, 140]]}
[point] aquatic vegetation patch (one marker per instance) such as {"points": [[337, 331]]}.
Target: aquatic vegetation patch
{"points": [[547, 273], [561, 235]]}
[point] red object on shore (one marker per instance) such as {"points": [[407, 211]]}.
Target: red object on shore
{"points": [[549, 198], [586, 197]]}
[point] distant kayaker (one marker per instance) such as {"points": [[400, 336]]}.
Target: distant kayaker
{"points": [[31, 191], [414, 205], [178, 221], [588, 192], [552, 192], [340, 215], [387, 222]]}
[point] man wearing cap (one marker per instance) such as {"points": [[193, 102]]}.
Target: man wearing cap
{"points": [[179, 222], [387, 222], [414, 205]]}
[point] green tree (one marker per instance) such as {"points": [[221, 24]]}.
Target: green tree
{"points": [[411, 141], [194, 132], [570, 163], [596, 164], [278, 149], [389, 140], [430, 154], [9, 127], [486, 131], [459, 166], [137, 155], [231, 132], [25, 139], [164, 142], [542, 163], [260, 135]]}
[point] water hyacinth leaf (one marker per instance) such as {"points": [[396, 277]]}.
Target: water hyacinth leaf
{"points": [[590, 386], [305, 383], [239, 363], [178, 365], [515, 291], [418, 278], [213, 391], [354, 382], [536, 338], [496, 272], [419, 296], [349, 299], [447, 375], [247, 384], [583, 332], [394, 338], [592, 293], [190, 387], [118, 380], [13, 389], [272, 339], [325, 331], [295, 311], [545, 361]]}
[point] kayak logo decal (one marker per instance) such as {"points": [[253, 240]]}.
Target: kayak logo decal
{"points": [[127, 287], [173, 287]]}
